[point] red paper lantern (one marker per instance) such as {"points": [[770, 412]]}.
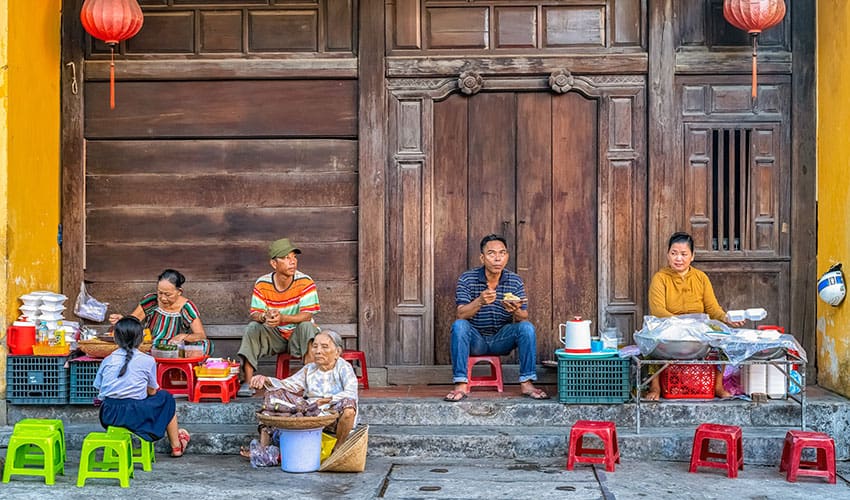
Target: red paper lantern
{"points": [[112, 21], [754, 16]]}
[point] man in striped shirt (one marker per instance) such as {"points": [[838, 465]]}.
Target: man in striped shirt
{"points": [[282, 307], [492, 319]]}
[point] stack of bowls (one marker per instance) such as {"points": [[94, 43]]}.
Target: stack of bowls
{"points": [[31, 306], [50, 308]]}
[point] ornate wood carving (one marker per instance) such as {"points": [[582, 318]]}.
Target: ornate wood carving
{"points": [[561, 81], [470, 82]]}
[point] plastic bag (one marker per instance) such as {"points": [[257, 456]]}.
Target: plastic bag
{"points": [[89, 307], [264, 456], [697, 328]]}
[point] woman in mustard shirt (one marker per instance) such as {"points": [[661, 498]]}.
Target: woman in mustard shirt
{"points": [[682, 289]]}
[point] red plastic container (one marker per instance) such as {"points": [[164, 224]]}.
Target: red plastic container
{"points": [[20, 337], [688, 382]]}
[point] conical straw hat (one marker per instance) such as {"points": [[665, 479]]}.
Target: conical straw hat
{"points": [[350, 456]]}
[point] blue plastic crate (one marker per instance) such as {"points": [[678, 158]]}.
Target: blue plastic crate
{"points": [[82, 382], [36, 380], [593, 381]]}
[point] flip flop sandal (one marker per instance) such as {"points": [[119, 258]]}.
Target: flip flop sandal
{"points": [[452, 396], [184, 438], [536, 394]]}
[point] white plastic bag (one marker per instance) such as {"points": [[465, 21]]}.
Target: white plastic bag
{"points": [[89, 307]]}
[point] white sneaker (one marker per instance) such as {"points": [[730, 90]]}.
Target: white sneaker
{"points": [[245, 391]]}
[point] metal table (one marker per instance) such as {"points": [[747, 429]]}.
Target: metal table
{"points": [[783, 365]]}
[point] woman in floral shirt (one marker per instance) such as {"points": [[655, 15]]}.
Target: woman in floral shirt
{"points": [[328, 380]]}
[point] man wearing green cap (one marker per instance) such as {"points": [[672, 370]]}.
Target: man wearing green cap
{"points": [[282, 307]]}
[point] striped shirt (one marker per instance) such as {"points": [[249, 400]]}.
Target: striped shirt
{"points": [[299, 297], [491, 317], [163, 324]]}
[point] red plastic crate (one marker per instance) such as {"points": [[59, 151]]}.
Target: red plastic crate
{"points": [[688, 382]]}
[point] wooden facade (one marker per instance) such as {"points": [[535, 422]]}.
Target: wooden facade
{"points": [[387, 137]]}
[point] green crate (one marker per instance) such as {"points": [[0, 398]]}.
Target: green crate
{"points": [[83, 373], [593, 380], [36, 380]]}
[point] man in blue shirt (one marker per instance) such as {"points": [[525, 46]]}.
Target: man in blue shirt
{"points": [[492, 319]]}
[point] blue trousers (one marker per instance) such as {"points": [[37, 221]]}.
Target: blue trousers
{"points": [[467, 341]]}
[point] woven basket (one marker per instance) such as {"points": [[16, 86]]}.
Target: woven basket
{"points": [[99, 349], [296, 422], [350, 456]]}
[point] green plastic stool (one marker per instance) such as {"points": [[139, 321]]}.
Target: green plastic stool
{"points": [[52, 424], [143, 454], [120, 446], [20, 455]]}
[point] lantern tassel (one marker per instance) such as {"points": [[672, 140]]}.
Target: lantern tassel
{"points": [[112, 77], [755, 63]]}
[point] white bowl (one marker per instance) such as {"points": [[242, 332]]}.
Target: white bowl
{"points": [[30, 299], [53, 298], [51, 316], [27, 309], [755, 314], [738, 315], [51, 308]]}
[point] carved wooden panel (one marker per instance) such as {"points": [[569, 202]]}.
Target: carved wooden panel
{"points": [[457, 28], [220, 31], [409, 282], [240, 27], [493, 26], [574, 26], [723, 100], [283, 31], [516, 27]]}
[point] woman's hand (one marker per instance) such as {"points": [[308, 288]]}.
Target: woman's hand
{"points": [[323, 401], [113, 318], [180, 337], [258, 382], [733, 324]]}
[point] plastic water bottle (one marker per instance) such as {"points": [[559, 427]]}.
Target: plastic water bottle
{"points": [[42, 333]]}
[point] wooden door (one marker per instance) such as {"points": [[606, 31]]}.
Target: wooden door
{"points": [[524, 165]]}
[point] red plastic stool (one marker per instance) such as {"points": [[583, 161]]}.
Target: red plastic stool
{"points": [[359, 356], [792, 452], [494, 379], [734, 456], [609, 454], [282, 369], [221, 389], [167, 374]]}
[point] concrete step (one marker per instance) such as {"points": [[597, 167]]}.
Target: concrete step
{"points": [[506, 411], [762, 445]]}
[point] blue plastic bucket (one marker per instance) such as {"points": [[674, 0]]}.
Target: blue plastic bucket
{"points": [[300, 449]]}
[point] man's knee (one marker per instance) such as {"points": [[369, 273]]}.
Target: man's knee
{"points": [[526, 330], [461, 328]]}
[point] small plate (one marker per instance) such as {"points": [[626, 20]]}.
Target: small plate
{"points": [[586, 355]]}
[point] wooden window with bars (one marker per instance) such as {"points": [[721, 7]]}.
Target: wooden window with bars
{"points": [[731, 187]]}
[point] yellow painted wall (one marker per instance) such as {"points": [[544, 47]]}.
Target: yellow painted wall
{"points": [[833, 91], [29, 152]]}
